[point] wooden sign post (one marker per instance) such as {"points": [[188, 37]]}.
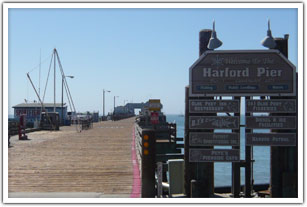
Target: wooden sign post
{"points": [[238, 73]]}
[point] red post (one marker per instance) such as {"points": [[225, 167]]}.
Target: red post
{"points": [[22, 127]]}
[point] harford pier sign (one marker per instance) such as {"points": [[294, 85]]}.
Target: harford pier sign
{"points": [[242, 72]]}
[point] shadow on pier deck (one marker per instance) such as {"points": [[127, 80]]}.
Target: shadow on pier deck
{"points": [[65, 163]]}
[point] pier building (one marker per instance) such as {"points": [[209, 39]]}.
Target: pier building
{"points": [[33, 110]]}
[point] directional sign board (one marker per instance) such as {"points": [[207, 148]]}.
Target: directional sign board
{"points": [[271, 139], [209, 155], [245, 72], [272, 106], [210, 139], [214, 122], [154, 118], [214, 106], [271, 122], [154, 105]]}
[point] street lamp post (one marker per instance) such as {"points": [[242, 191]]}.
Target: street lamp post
{"points": [[104, 102], [68, 76]]}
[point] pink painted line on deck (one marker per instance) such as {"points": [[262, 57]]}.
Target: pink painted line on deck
{"points": [[136, 187]]}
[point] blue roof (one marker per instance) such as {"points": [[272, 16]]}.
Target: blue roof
{"points": [[38, 105]]}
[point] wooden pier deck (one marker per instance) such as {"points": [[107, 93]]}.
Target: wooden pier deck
{"points": [[97, 160]]}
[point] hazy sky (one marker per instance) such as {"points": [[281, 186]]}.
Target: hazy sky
{"points": [[137, 54]]}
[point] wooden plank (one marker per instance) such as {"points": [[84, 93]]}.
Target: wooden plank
{"points": [[214, 155], [95, 160], [272, 106], [214, 122], [211, 139], [165, 157], [271, 122], [271, 139], [214, 106]]}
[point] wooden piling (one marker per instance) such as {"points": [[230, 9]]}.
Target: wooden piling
{"points": [[283, 167], [248, 163], [189, 168], [204, 37], [148, 164], [201, 173], [235, 172]]}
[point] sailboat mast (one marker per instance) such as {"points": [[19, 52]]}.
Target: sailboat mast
{"points": [[39, 73], [54, 107], [39, 81]]}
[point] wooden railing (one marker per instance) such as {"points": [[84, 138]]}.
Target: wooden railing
{"points": [[145, 149], [153, 145]]}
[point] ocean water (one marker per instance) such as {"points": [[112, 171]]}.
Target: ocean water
{"points": [[222, 171]]}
